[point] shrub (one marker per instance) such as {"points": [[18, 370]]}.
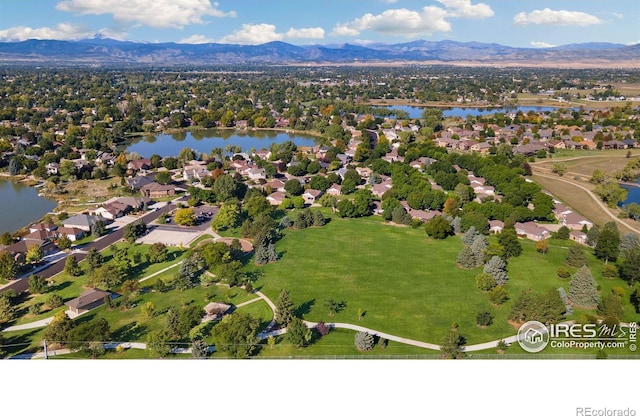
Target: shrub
{"points": [[498, 295], [484, 318], [54, 301], [609, 271], [485, 282], [563, 272], [364, 341]]}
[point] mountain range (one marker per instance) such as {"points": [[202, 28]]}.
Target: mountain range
{"points": [[110, 51]]}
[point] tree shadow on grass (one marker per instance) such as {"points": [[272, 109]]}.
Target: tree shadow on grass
{"points": [[59, 287], [305, 307], [130, 332]]}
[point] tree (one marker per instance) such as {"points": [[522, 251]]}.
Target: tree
{"points": [[34, 254], [484, 318], [610, 306], [163, 177], [107, 276], [322, 329], [88, 333], [582, 289], [297, 333], [563, 233], [545, 308], [469, 236], [72, 267], [237, 334], [629, 269], [293, 187], [7, 310], [509, 241], [629, 242], [497, 268], [333, 306], [478, 248], [485, 282], [158, 253], [58, 329], [438, 228], [364, 341], [542, 246], [185, 216], [158, 342], [199, 348], [559, 169], [285, 309], [608, 243], [37, 284], [148, 310], [98, 229], [189, 272], [592, 235], [498, 295], [576, 257], [227, 217], [134, 230], [8, 266], [64, 243], [93, 259], [452, 346], [466, 259]]}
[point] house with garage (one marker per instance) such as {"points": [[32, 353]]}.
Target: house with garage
{"points": [[88, 300]]}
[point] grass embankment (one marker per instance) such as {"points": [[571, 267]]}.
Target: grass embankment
{"points": [[406, 284]]}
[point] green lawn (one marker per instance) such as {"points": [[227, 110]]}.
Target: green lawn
{"points": [[406, 284]]}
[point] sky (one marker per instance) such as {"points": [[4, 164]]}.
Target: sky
{"points": [[518, 23]]}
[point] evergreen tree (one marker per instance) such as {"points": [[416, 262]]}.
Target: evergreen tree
{"points": [[364, 341], [285, 309], [72, 267], [576, 257], [478, 248], [509, 241], [469, 236], [466, 258], [582, 289], [456, 224], [629, 242], [485, 282], [93, 259], [298, 334], [452, 346], [497, 268]]}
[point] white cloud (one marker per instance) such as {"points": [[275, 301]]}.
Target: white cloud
{"points": [[63, 31], [153, 13], [464, 8], [307, 33], [255, 34], [404, 22], [412, 23], [556, 17], [196, 39], [541, 44]]}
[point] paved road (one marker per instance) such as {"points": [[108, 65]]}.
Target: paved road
{"points": [[22, 284]]}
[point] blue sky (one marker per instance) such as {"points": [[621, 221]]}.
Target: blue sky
{"points": [[521, 23]]}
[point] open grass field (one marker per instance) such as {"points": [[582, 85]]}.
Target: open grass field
{"points": [[406, 284], [608, 161]]}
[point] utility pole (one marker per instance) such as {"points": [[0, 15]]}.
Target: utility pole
{"points": [[44, 342]]}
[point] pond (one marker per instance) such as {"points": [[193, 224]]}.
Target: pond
{"points": [[20, 205], [633, 196], [206, 140]]}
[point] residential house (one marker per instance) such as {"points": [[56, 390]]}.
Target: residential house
{"points": [[83, 222], [380, 188], [532, 231], [73, 234], [578, 236], [335, 190], [112, 210], [88, 300], [575, 221], [311, 196], [496, 226], [138, 182], [140, 165], [195, 172], [276, 185], [156, 190], [276, 198]]}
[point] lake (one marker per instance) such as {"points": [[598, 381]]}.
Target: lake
{"points": [[206, 140], [20, 205], [416, 112], [633, 196]]}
